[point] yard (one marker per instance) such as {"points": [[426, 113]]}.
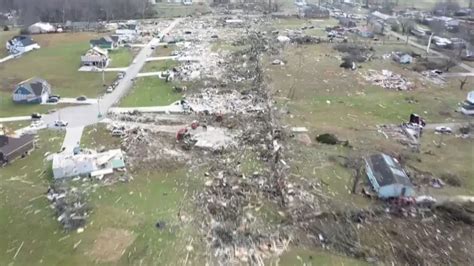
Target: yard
{"points": [[121, 57], [121, 229], [57, 62], [4, 37], [328, 99], [160, 65], [150, 91]]}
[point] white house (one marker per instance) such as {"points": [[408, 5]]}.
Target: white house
{"points": [[467, 107], [87, 164], [21, 44]]}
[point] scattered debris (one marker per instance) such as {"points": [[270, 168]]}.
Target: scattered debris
{"points": [[389, 80]]}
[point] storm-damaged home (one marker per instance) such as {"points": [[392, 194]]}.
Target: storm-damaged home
{"points": [[12, 148], [387, 177], [87, 164], [21, 44], [95, 57], [106, 42], [467, 106], [33, 90]]}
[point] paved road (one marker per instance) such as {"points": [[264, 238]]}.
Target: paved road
{"points": [[423, 47], [79, 116], [14, 119], [457, 75]]}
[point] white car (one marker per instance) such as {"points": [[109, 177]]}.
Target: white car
{"points": [[110, 89], [60, 123], [443, 130], [117, 132]]}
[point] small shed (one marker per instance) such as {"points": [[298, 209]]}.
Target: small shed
{"points": [[387, 177], [33, 90]]}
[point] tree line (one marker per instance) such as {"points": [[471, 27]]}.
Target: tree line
{"points": [[60, 11]]}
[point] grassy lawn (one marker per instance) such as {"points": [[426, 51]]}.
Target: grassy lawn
{"points": [[160, 65], [134, 207], [57, 62], [9, 108], [325, 98], [4, 37], [121, 57], [165, 10], [150, 91], [164, 50]]}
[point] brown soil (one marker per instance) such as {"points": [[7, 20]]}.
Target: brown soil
{"points": [[111, 244]]}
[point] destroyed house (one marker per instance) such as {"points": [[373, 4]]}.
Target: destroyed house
{"points": [[87, 164], [107, 42], [12, 148], [347, 22], [387, 177], [95, 57]]}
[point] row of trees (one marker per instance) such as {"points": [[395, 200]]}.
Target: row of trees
{"points": [[60, 11]]}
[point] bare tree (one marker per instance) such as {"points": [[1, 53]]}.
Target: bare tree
{"points": [[463, 83], [406, 24]]}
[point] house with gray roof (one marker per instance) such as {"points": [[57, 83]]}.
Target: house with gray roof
{"points": [[33, 90], [12, 148], [387, 177], [21, 44]]}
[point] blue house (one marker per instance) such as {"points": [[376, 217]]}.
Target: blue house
{"points": [[387, 177], [33, 90]]}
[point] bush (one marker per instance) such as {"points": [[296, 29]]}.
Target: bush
{"points": [[24, 32], [327, 138], [6, 28]]}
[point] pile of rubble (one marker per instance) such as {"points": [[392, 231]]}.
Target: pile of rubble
{"points": [[389, 80], [70, 205], [214, 101]]}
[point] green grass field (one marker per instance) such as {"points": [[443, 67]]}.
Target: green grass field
{"points": [[134, 207], [150, 91], [161, 65], [4, 37], [57, 62], [325, 98], [121, 57]]}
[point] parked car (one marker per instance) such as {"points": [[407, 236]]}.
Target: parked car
{"points": [[52, 100], [61, 123], [36, 116], [110, 89], [81, 98], [121, 75], [443, 130], [55, 96], [117, 132]]}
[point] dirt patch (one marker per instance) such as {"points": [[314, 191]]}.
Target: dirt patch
{"points": [[111, 244]]}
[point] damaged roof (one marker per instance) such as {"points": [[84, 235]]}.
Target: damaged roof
{"points": [[387, 170]]}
